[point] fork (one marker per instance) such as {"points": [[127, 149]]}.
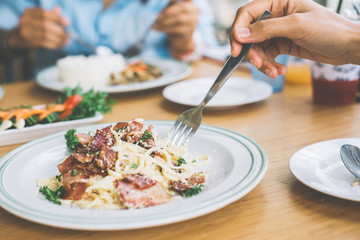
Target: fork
{"points": [[189, 121], [136, 49]]}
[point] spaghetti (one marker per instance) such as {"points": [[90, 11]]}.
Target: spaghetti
{"points": [[126, 166]]}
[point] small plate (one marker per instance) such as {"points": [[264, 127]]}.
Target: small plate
{"points": [[320, 167], [238, 164], [13, 136], [2, 92], [235, 92], [172, 71]]}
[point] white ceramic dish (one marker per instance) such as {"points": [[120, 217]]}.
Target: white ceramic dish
{"points": [[320, 167], [235, 92], [172, 71], [237, 167], [2, 92], [13, 136]]}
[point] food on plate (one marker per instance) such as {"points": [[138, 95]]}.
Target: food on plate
{"points": [[89, 71], [136, 72], [124, 166], [74, 104]]}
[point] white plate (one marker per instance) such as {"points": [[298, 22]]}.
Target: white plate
{"points": [[13, 136], [172, 71], [236, 91], [237, 167], [2, 92], [320, 167]]}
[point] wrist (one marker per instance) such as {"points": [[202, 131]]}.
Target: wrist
{"points": [[15, 40], [180, 45], [9, 47]]}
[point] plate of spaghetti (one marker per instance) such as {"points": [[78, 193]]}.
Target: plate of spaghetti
{"points": [[125, 175]]}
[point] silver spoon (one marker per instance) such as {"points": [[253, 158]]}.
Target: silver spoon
{"points": [[97, 50], [350, 155]]}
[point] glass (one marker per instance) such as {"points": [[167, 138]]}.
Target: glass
{"points": [[334, 85]]}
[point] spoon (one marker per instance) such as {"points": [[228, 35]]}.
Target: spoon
{"points": [[97, 50], [350, 155]]}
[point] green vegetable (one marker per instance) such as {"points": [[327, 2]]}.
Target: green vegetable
{"points": [[181, 161], [74, 172], [32, 120], [91, 103], [146, 135], [58, 177], [71, 139], [52, 196], [50, 118], [133, 165], [193, 191]]}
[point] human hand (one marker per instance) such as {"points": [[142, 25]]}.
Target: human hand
{"points": [[178, 20], [40, 28], [301, 28]]}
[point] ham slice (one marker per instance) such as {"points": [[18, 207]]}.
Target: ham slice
{"points": [[138, 191]]}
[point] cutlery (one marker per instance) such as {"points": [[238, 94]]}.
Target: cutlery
{"points": [[97, 50], [350, 156], [189, 121], [136, 49]]}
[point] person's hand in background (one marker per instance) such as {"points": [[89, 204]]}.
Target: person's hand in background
{"points": [[301, 28], [39, 28], [178, 20]]}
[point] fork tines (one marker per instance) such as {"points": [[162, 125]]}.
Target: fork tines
{"points": [[180, 133]]}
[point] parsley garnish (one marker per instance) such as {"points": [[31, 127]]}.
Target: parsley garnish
{"points": [[58, 177], [146, 135], [193, 191], [52, 196], [74, 172], [133, 165], [91, 103], [71, 139], [181, 161]]}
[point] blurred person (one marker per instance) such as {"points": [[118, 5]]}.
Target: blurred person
{"points": [[301, 28], [181, 28]]}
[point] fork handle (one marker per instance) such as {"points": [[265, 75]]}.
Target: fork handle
{"points": [[231, 64]]}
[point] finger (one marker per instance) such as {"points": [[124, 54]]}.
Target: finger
{"points": [[265, 61], [245, 16], [269, 69], [176, 29], [57, 10], [45, 16], [179, 9], [50, 29], [48, 32], [254, 58]]}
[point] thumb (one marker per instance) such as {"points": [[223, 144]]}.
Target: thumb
{"points": [[265, 29], [57, 11]]}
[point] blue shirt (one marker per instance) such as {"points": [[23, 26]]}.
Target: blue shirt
{"points": [[121, 25]]}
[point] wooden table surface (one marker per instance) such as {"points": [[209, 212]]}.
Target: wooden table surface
{"points": [[280, 207]]}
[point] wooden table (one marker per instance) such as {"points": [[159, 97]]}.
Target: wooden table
{"points": [[280, 207]]}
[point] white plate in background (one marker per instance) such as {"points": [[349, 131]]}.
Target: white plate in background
{"points": [[235, 92], [14, 136], [172, 71], [2, 92], [238, 164], [320, 167]]}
